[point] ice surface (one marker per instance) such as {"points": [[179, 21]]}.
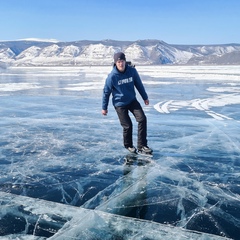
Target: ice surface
{"points": [[40, 217], [57, 179]]}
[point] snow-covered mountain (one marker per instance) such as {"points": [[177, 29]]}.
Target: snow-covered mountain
{"points": [[142, 52]]}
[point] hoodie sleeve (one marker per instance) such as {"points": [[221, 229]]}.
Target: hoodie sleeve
{"points": [[107, 90], [139, 85]]}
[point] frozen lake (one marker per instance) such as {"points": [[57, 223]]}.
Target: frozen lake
{"points": [[63, 169]]}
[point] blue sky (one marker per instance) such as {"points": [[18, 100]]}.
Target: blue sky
{"points": [[173, 21]]}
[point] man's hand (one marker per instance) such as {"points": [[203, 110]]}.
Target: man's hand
{"points": [[146, 102], [104, 112]]}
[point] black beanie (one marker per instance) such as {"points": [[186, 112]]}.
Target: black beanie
{"points": [[119, 56]]}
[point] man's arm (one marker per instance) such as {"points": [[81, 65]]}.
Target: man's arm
{"points": [[139, 85], [107, 90]]}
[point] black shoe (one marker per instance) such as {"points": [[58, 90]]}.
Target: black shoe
{"points": [[132, 149], [145, 150]]}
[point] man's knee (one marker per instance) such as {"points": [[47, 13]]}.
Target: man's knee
{"points": [[127, 127], [141, 119]]}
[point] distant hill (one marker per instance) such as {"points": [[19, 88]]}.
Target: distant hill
{"points": [[142, 52]]}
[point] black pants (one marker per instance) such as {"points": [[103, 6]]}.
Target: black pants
{"points": [[125, 121]]}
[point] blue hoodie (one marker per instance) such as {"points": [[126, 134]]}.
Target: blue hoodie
{"points": [[121, 86]]}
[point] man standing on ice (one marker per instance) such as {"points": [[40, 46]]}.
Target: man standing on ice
{"points": [[121, 83]]}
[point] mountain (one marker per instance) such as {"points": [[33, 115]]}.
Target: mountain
{"points": [[33, 52]]}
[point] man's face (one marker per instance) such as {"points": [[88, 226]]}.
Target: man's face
{"points": [[121, 65]]}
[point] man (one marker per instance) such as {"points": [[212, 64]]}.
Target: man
{"points": [[121, 83]]}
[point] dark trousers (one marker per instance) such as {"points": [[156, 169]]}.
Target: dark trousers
{"points": [[125, 121]]}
